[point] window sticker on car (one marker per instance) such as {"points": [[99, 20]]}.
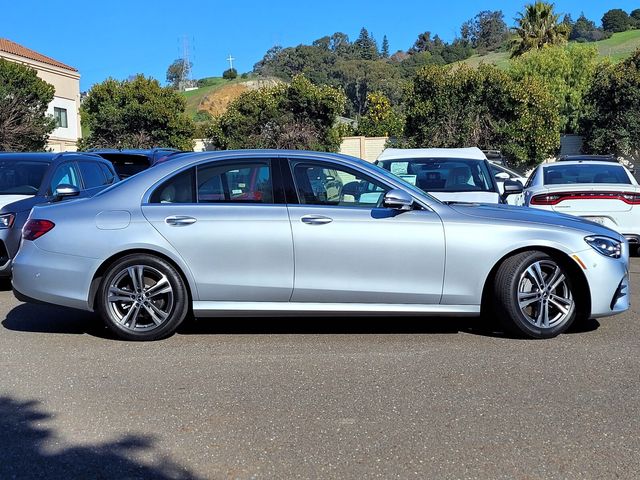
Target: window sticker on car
{"points": [[236, 191], [409, 178], [399, 168]]}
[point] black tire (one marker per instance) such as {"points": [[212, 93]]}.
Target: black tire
{"points": [[518, 272], [158, 313]]}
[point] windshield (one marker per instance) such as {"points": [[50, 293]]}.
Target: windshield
{"points": [[21, 177], [585, 173], [442, 174]]}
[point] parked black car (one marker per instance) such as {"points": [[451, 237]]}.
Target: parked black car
{"points": [[131, 161], [28, 179]]}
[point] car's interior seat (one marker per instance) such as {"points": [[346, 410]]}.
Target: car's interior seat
{"points": [[459, 178], [431, 180]]}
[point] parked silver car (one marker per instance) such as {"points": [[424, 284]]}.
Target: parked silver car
{"points": [[290, 232]]}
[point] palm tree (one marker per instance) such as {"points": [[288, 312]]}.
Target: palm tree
{"points": [[538, 26]]}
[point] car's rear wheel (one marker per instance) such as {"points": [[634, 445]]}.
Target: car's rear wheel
{"points": [[534, 295], [142, 297]]}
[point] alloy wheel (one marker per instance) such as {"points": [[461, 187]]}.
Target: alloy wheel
{"points": [[544, 295], [140, 298]]}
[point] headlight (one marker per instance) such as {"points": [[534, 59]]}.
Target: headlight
{"points": [[605, 245], [6, 220]]}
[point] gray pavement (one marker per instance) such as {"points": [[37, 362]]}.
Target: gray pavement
{"points": [[317, 398]]}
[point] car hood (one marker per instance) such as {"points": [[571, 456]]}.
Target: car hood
{"points": [[9, 203], [532, 215]]}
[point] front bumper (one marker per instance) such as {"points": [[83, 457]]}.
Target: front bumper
{"points": [[55, 278], [9, 244], [606, 277]]}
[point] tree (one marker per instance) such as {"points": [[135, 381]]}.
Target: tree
{"points": [[612, 122], [298, 115], [230, 74], [585, 30], [175, 72], [24, 99], [616, 20], [635, 18], [385, 47], [365, 46], [461, 106], [380, 120], [440, 51], [485, 32], [538, 26], [339, 42], [410, 65], [360, 77], [566, 72], [136, 114]]}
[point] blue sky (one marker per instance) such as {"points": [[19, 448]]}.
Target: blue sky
{"points": [[120, 38]]}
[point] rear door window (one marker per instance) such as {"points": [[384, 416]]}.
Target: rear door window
{"points": [[248, 182], [92, 174], [108, 173]]}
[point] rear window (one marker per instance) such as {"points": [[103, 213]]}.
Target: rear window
{"points": [[127, 165], [442, 174], [585, 173]]}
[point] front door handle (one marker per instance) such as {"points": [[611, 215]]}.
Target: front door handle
{"points": [[316, 219], [179, 220]]}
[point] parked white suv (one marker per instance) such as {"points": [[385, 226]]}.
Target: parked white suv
{"points": [[449, 174]]}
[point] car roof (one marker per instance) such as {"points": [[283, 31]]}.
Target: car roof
{"points": [[471, 153], [581, 162], [588, 158], [45, 157], [132, 151]]}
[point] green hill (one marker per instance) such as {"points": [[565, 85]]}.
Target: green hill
{"points": [[620, 45], [617, 48]]}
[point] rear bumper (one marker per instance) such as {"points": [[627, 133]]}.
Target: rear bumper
{"points": [[48, 277]]}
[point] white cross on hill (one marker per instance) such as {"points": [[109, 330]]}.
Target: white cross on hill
{"points": [[230, 60]]}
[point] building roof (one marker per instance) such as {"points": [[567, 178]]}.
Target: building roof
{"points": [[408, 153], [14, 48]]}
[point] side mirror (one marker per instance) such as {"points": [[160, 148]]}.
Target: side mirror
{"points": [[65, 191], [512, 187], [502, 176], [398, 200]]}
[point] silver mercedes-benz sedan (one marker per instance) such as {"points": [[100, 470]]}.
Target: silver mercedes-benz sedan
{"points": [[304, 233]]}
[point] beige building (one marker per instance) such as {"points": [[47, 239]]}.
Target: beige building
{"points": [[65, 107], [367, 148]]}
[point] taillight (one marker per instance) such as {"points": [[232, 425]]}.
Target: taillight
{"points": [[34, 229], [545, 199], [630, 198]]}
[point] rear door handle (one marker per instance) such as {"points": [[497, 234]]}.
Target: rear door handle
{"points": [[179, 220], [316, 219]]}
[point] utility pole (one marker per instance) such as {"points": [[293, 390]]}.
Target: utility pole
{"points": [[185, 74]]}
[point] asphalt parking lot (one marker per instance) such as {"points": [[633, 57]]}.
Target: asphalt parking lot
{"points": [[317, 398]]}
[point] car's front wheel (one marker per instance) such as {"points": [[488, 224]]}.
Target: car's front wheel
{"points": [[534, 295], [142, 297]]}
